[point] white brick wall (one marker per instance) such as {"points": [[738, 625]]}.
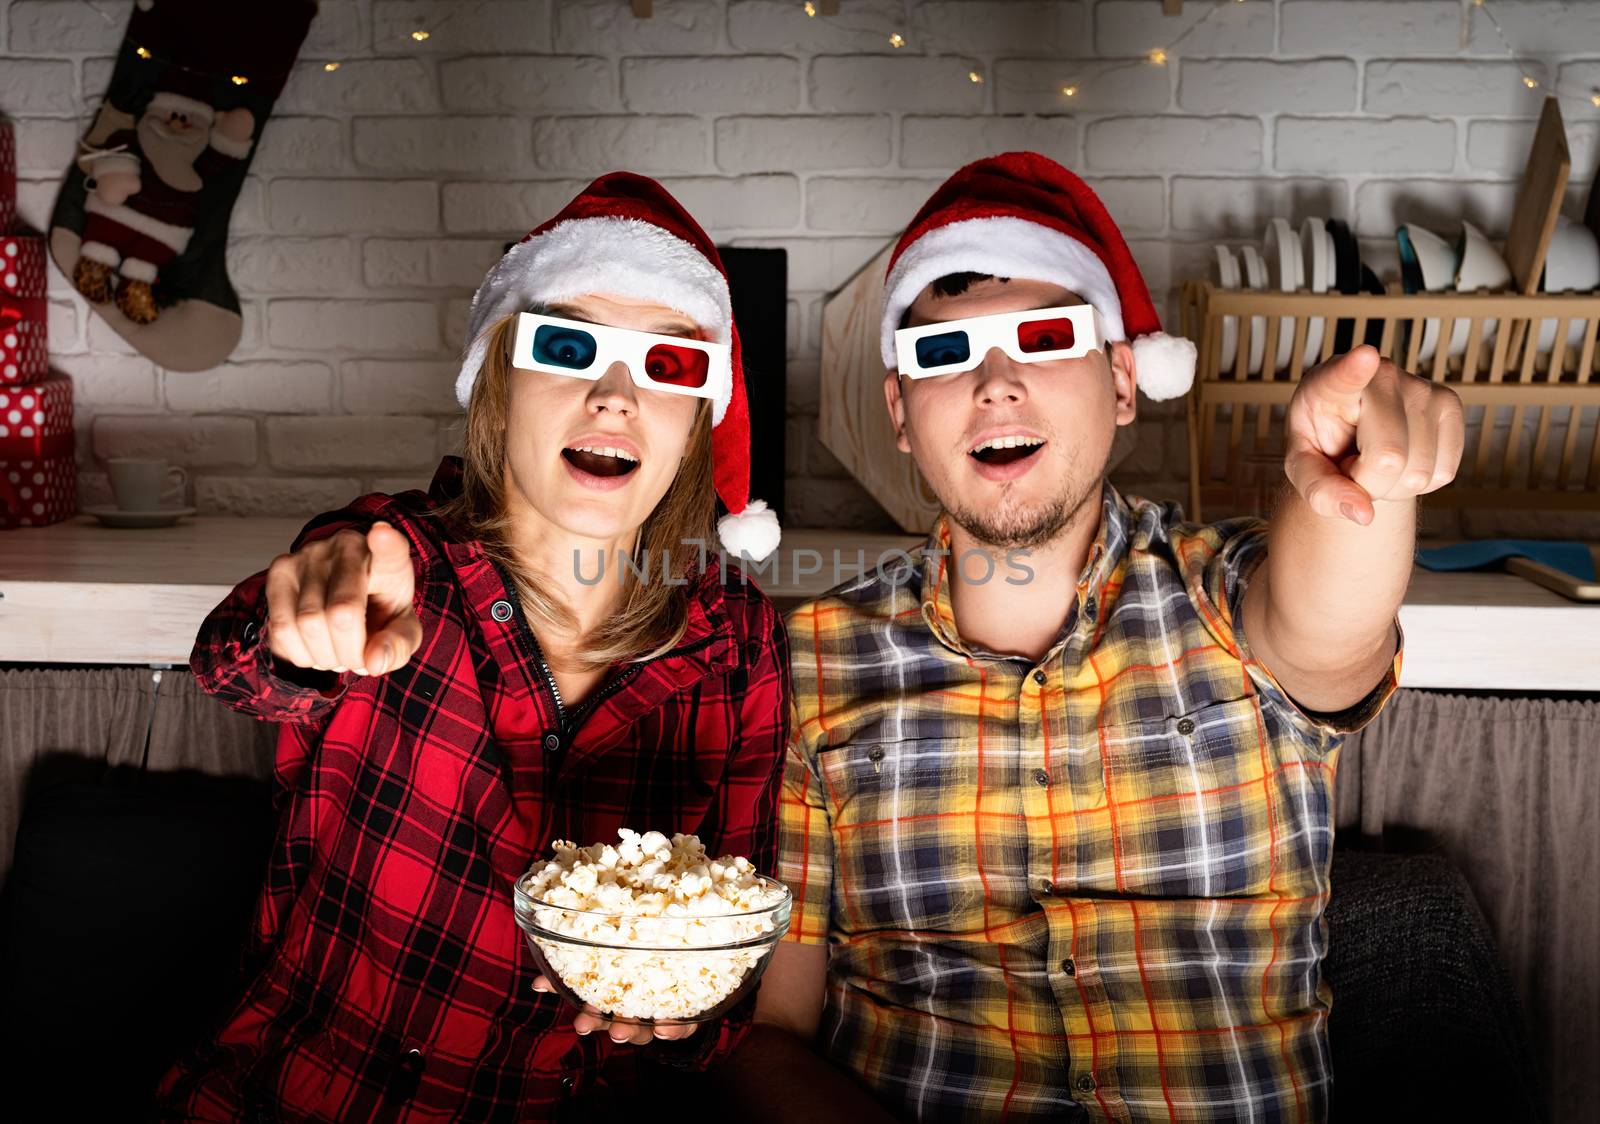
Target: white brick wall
{"points": [[384, 190]]}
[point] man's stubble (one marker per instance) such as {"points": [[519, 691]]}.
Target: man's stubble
{"points": [[1008, 526]]}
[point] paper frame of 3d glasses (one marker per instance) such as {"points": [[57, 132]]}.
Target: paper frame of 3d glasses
{"points": [[1004, 330], [591, 349]]}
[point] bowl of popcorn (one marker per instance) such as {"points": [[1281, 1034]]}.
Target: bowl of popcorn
{"points": [[650, 930]]}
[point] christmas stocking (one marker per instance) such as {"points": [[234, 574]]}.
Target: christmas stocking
{"points": [[141, 224]]}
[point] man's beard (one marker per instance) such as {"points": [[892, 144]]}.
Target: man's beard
{"points": [[1029, 528]]}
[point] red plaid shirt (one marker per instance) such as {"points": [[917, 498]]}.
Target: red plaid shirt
{"points": [[387, 977]]}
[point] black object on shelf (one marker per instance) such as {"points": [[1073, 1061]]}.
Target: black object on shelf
{"points": [[759, 280]]}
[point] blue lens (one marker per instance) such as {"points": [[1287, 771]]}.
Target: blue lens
{"points": [[942, 349], [572, 348]]}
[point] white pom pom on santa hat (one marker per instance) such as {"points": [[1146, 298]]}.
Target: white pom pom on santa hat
{"points": [[1023, 215], [1164, 365], [754, 532]]}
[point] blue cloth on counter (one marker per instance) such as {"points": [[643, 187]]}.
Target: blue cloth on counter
{"points": [[1569, 557]]}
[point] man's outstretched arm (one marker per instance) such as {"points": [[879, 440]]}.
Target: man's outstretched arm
{"points": [[1365, 439], [775, 1073]]}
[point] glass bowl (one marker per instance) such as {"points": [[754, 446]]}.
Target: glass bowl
{"points": [[652, 971]]}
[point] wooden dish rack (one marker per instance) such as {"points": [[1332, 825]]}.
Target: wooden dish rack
{"points": [[1532, 396]]}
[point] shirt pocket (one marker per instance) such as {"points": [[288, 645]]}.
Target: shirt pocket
{"points": [[1209, 803], [904, 833]]}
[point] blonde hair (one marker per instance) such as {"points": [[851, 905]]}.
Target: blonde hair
{"points": [[653, 613]]}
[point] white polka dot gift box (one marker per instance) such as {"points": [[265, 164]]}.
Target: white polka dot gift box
{"points": [[38, 470]]}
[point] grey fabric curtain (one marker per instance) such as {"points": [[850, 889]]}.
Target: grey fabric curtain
{"points": [[1509, 790], [103, 714]]}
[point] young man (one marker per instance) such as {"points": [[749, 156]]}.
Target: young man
{"points": [[1058, 806]]}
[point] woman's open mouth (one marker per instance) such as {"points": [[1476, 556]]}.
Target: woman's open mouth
{"points": [[600, 460]]}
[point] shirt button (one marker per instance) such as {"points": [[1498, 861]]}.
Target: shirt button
{"points": [[875, 753], [500, 610], [1069, 967], [1085, 1084], [1039, 677], [249, 631], [552, 742], [1186, 726], [408, 1076], [1089, 609], [1041, 778]]}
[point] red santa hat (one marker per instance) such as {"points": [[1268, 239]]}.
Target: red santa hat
{"points": [[624, 235], [1023, 215]]}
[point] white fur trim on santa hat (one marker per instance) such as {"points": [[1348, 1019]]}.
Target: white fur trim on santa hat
{"points": [[754, 532], [1163, 365], [167, 100], [611, 255], [1003, 246]]}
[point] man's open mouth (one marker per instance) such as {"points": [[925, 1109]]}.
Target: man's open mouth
{"points": [[600, 460], [1006, 450]]}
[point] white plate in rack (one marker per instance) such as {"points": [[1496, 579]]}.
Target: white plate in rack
{"points": [[1316, 253], [1255, 277], [1225, 270], [1286, 273]]}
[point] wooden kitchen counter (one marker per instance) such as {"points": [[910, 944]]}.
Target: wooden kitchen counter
{"points": [[77, 592]]}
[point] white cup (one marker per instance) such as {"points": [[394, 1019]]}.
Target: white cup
{"points": [[139, 483]]}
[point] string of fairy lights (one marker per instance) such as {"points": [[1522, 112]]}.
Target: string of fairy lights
{"points": [[899, 36], [1072, 86], [1528, 80], [1068, 87]]}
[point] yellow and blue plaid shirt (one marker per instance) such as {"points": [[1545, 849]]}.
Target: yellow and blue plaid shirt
{"points": [[1089, 885]]}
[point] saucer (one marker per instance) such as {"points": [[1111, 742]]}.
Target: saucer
{"points": [[112, 516]]}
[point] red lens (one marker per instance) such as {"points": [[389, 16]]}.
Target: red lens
{"points": [[1045, 335], [677, 366]]}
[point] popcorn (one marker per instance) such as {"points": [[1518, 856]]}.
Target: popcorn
{"points": [[643, 900]]}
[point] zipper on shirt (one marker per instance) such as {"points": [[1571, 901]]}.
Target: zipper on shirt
{"points": [[622, 679], [549, 678], [588, 706], [525, 633], [570, 721], [626, 676]]}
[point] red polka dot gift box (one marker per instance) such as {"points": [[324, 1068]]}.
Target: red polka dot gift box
{"points": [[38, 469], [21, 266], [23, 310], [23, 358]]}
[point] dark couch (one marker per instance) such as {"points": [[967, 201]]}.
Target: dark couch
{"points": [[122, 920]]}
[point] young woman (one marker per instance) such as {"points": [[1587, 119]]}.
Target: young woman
{"points": [[457, 689]]}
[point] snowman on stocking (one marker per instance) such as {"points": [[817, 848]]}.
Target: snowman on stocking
{"points": [[144, 189]]}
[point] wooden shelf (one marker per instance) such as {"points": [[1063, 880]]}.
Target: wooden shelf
{"points": [[77, 592]]}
